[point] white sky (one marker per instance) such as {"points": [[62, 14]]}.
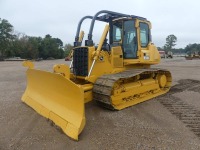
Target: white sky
{"points": [[60, 18]]}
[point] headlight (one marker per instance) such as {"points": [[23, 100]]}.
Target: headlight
{"points": [[146, 57]]}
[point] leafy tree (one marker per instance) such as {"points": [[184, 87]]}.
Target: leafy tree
{"points": [[178, 50], [21, 46], [6, 36], [68, 47], [59, 42], [30, 47], [18, 44], [192, 48], [51, 47], [170, 42], [159, 48]]}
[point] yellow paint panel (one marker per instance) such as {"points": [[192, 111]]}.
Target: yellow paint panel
{"points": [[57, 98], [126, 99]]}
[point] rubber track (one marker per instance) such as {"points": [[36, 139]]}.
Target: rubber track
{"points": [[185, 112], [102, 89]]}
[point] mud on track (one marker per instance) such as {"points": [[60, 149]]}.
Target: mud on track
{"points": [[188, 114]]}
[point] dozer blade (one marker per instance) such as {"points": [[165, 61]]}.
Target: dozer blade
{"points": [[57, 98]]}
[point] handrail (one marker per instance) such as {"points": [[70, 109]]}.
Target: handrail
{"points": [[77, 42], [79, 27], [101, 12]]}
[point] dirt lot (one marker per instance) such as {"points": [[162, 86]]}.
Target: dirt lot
{"points": [[171, 121]]}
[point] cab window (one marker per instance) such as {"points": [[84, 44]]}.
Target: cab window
{"points": [[117, 29], [144, 34]]}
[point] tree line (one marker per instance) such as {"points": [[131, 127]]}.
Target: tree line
{"points": [[14, 44], [171, 42]]}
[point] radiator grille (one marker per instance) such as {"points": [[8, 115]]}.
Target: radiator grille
{"points": [[80, 61]]}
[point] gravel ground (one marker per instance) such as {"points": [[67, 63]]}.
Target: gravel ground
{"points": [[154, 124]]}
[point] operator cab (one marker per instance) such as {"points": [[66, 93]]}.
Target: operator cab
{"points": [[124, 33], [129, 33]]}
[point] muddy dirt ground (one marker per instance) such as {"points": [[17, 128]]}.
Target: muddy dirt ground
{"points": [[171, 121]]}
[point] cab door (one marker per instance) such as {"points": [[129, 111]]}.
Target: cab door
{"points": [[130, 46]]}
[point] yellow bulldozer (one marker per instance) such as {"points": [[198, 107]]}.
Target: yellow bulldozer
{"points": [[116, 73]]}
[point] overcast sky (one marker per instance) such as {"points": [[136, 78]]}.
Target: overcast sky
{"points": [[59, 18]]}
